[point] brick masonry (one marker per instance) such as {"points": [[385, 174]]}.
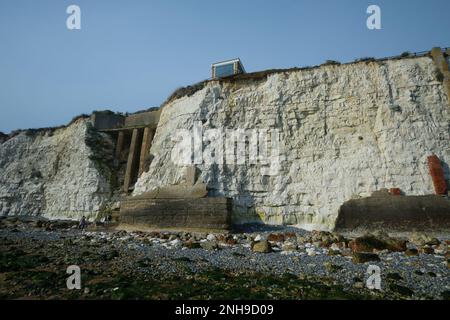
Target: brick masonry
{"points": [[202, 213]]}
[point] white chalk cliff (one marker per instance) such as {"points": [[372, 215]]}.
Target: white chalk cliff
{"points": [[53, 173], [346, 131]]}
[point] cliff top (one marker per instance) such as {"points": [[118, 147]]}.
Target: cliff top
{"points": [[262, 75], [252, 76]]}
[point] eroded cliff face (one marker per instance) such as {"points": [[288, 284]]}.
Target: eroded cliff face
{"points": [[345, 131], [55, 173]]}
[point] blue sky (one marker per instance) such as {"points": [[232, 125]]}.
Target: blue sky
{"points": [[130, 55]]}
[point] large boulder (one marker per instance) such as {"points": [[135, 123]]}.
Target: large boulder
{"points": [[369, 243], [209, 245], [262, 246], [275, 237]]}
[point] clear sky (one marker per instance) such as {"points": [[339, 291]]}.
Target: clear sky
{"points": [[130, 55]]}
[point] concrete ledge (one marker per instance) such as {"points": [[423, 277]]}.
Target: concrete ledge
{"points": [[110, 121], [143, 119], [102, 120], [196, 191], [180, 214], [395, 213]]}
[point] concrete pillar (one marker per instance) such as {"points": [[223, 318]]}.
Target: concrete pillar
{"points": [[145, 148], [119, 144], [131, 163], [191, 175]]}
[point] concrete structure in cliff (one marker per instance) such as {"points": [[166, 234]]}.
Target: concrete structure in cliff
{"points": [[137, 130], [182, 206]]}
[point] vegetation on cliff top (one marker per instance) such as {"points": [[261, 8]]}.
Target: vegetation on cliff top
{"points": [[262, 75]]}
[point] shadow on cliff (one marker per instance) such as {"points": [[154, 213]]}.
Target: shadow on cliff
{"points": [[446, 169]]}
